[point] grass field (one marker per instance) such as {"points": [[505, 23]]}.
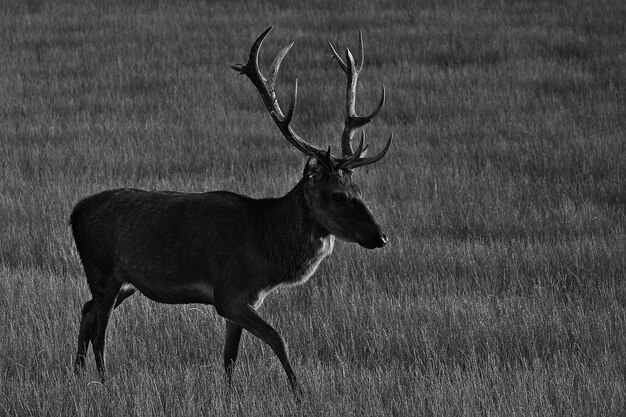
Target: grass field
{"points": [[502, 290]]}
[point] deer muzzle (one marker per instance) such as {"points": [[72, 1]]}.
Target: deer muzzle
{"points": [[376, 241]]}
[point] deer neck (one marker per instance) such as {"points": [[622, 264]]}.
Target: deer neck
{"points": [[296, 219], [298, 241]]}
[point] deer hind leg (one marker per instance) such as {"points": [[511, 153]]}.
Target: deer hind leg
{"points": [[95, 315], [103, 307], [85, 334], [88, 326], [245, 316], [231, 348]]}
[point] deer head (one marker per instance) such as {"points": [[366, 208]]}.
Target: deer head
{"points": [[332, 197]]}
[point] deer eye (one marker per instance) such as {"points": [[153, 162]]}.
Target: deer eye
{"points": [[341, 197]]}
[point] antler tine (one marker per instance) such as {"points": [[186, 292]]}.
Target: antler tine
{"points": [[359, 121], [266, 90], [253, 59], [336, 56], [276, 65], [359, 151], [343, 65], [370, 160], [361, 54]]}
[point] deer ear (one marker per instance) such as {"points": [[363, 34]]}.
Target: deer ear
{"points": [[313, 169]]}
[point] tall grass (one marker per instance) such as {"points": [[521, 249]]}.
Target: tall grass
{"points": [[502, 290]]}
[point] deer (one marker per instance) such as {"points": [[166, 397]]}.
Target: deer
{"points": [[225, 249]]}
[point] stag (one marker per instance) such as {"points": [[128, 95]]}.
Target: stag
{"points": [[222, 248]]}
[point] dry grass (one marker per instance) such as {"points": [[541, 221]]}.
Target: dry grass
{"points": [[502, 291]]}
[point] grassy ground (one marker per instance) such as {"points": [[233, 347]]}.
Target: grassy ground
{"points": [[502, 291]]}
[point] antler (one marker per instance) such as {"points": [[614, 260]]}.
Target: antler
{"points": [[265, 86], [353, 121], [268, 94]]}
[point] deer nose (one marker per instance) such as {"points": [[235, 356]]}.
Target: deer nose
{"points": [[382, 240]]}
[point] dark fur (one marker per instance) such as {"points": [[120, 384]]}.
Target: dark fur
{"points": [[223, 237]]}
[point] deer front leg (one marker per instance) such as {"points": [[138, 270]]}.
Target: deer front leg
{"points": [[231, 348], [246, 317]]}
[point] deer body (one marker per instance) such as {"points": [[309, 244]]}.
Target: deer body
{"points": [[194, 247], [222, 248]]}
